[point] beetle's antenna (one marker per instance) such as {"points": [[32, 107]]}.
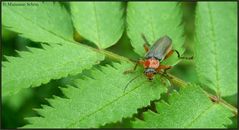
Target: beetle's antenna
{"points": [[131, 81], [180, 57], [145, 40]]}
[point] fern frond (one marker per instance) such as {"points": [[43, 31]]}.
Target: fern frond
{"points": [[41, 65], [190, 108], [99, 22], [99, 100], [155, 20], [45, 22], [216, 46]]}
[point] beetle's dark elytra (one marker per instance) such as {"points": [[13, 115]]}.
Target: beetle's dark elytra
{"points": [[160, 48]]}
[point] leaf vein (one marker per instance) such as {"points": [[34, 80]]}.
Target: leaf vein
{"points": [[214, 50], [105, 106], [198, 116], [40, 26]]}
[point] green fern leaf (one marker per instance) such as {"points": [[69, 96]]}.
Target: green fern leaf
{"points": [[99, 22], [98, 101], [41, 65], [190, 108], [216, 46], [155, 20], [45, 22]]}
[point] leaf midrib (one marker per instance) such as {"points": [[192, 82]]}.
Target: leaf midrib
{"points": [[151, 23], [96, 24], [215, 49]]}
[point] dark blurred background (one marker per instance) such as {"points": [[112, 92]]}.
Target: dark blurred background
{"points": [[17, 107]]}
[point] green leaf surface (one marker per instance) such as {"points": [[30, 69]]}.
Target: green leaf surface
{"points": [[155, 20], [99, 22], [190, 108], [99, 100], [39, 66], [216, 46], [42, 22]]}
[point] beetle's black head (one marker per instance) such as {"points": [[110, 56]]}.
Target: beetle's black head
{"points": [[150, 72]]}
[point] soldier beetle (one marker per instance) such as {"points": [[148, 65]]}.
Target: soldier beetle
{"points": [[159, 51]]}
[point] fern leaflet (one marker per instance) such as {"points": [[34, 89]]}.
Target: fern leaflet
{"points": [[190, 108], [99, 100]]}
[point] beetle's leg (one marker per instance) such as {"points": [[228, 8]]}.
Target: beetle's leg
{"points": [[169, 54], [146, 47], [180, 57], [132, 70], [165, 68]]}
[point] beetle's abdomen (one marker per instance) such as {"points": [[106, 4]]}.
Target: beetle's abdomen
{"points": [[151, 63]]}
